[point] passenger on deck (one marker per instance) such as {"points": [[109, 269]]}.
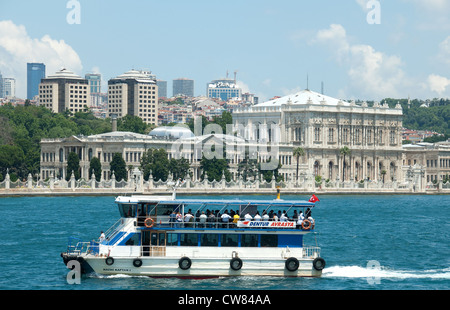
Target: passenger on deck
{"points": [[265, 216], [179, 219], [172, 219], [300, 220], [236, 217], [188, 218], [257, 217], [102, 237], [225, 219], [283, 217], [203, 219], [248, 217]]}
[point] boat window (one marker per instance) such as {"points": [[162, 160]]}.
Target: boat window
{"points": [[269, 240], [229, 240], [209, 240], [134, 239], [163, 209], [188, 239], [172, 239], [127, 210], [249, 240]]}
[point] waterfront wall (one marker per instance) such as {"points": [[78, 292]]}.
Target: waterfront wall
{"points": [[137, 185]]}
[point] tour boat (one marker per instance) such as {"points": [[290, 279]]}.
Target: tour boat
{"points": [[162, 236]]}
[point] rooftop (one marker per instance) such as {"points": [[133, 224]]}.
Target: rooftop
{"points": [[304, 97]]}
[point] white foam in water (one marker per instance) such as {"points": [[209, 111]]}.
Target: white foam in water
{"points": [[363, 272]]}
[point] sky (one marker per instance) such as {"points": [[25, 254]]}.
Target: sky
{"points": [[358, 49]]}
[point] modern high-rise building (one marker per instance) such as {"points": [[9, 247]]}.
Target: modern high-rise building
{"points": [[134, 93], [35, 73], [65, 91], [9, 88], [95, 82], [223, 89], [162, 88], [1, 85], [183, 87]]}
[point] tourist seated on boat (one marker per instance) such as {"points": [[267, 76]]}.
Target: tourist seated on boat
{"points": [[257, 217], [248, 217], [225, 218], [300, 220], [265, 216], [283, 217], [295, 215], [236, 218], [202, 219]]}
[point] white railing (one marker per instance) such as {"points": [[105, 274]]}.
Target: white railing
{"points": [[311, 252]]}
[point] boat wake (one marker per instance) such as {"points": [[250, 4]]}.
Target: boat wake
{"points": [[383, 273]]}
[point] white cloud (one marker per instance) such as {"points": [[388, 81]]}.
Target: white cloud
{"points": [[444, 51], [438, 83], [372, 74], [17, 48]]}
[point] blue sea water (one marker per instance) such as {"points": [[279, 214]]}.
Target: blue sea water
{"points": [[369, 242]]}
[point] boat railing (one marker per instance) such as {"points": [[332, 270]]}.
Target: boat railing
{"points": [[112, 231], [76, 246], [311, 252]]}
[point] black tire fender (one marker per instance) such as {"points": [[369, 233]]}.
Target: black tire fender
{"points": [[236, 263], [185, 263], [319, 263], [109, 261], [292, 264], [137, 263]]}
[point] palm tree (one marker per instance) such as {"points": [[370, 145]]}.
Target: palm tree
{"points": [[297, 152], [344, 151]]}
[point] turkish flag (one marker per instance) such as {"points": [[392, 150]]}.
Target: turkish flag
{"points": [[313, 199]]}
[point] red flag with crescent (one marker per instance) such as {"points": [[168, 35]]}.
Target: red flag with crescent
{"points": [[313, 199]]}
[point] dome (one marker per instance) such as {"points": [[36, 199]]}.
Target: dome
{"points": [[175, 132]]}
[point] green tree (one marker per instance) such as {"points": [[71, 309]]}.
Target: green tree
{"points": [[215, 167], [298, 152], [269, 174], [73, 164], [133, 124], [119, 167], [248, 168], [345, 151], [96, 167], [179, 168], [155, 160]]}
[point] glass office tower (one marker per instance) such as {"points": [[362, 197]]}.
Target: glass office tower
{"points": [[35, 72]]}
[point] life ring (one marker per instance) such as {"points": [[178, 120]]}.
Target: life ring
{"points": [[292, 264], [137, 263], [109, 261], [147, 224], [236, 263], [319, 263], [306, 224], [185, 263]]}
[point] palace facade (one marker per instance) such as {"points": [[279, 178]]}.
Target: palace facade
{"points": [[322, 126]]}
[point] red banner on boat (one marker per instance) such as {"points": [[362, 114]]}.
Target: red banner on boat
{"points": [[313, 199], [263, 224]]}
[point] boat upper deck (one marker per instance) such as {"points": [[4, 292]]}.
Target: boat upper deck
{"points": [[166, 212]]}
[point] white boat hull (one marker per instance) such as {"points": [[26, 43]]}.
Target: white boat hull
{"points": [[200, 267]]}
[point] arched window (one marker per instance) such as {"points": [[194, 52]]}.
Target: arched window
{"points": [[61, 155], [316, 168], [330, 170], [90, 152]]}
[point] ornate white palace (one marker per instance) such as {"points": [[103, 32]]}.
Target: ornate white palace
{"points": [[322, 126]]}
